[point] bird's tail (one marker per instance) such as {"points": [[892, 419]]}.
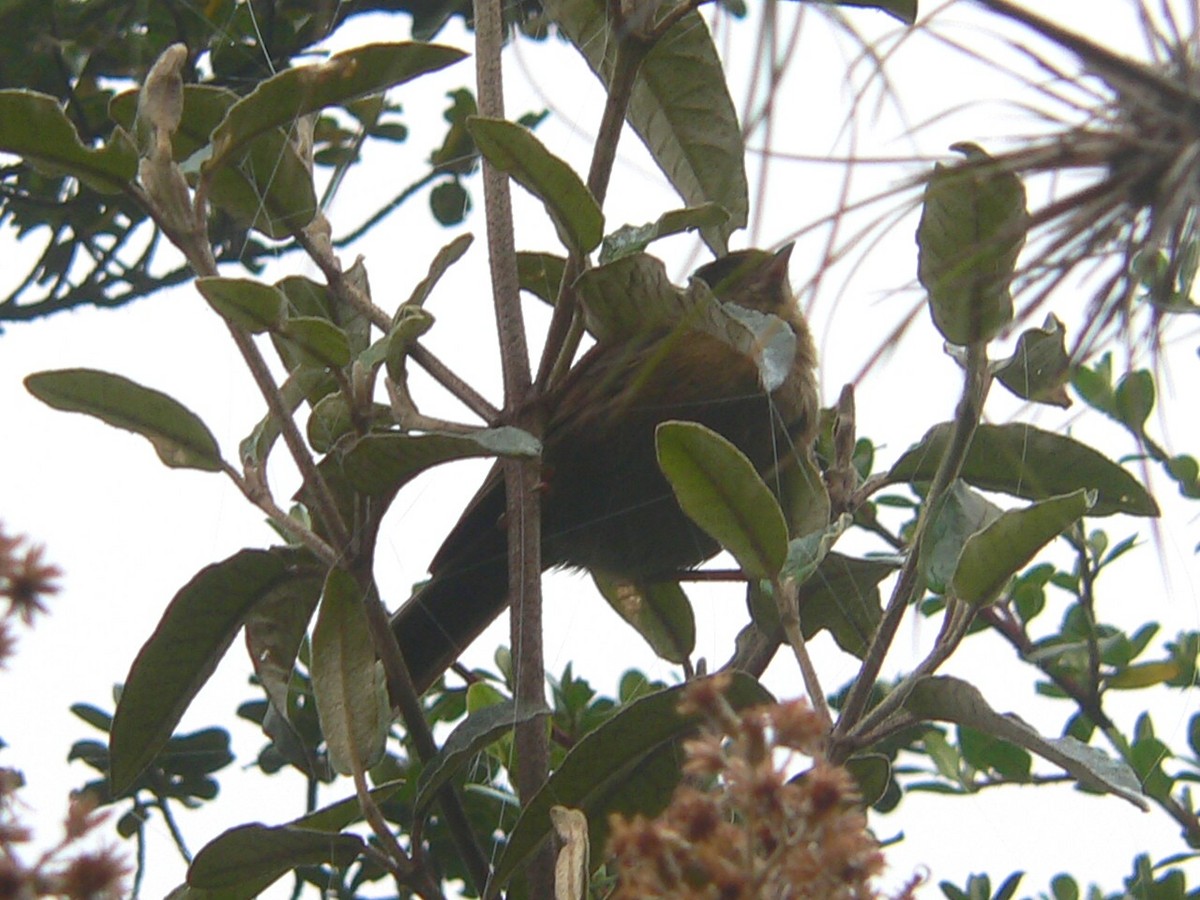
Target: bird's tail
{"points": [[467, 591]]}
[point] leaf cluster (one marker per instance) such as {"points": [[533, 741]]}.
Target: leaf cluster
{"points": [[962, 521]]}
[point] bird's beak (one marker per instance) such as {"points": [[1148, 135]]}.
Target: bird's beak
{"points": [[779, 264]]}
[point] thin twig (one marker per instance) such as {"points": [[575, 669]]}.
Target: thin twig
{"points": [[957, 621], [196, 249], [325, 506], [256, 493], [562, 339], [787, 594], [443, 375], [912, 581]]}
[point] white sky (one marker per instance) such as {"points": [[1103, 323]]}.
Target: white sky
{"points": [[129, 532]]}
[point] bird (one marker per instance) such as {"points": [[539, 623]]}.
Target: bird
{"points": [[605, 504]]}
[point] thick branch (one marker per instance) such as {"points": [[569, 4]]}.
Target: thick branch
{"points": [[520, 478]]}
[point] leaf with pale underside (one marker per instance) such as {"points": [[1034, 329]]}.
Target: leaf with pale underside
{"points": [[347, 681], [630, 239], [379, 463], [948, 699], [659, 611], [971, 231]]}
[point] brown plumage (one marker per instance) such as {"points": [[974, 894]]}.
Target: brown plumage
{"points": [[606, 504]]}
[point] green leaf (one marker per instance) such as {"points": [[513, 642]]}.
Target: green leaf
{"points": [[269, 188], [1143, 675], [94, 716], [953, 700], [680, 108], [994, 555], [626, 297], [719, 489], [1185, 472], [318, 341], [306, 297], [1134, 400], [659, 611], [514, 149], [243, 861], [310, 384], [1095, 386], [873, 773], [842, 596], [458, 156], [986, 753], [540, 274], [336, 816], [1027, 462], [347, 682], [481, 728], [1040, 365], [275, 628], [904, 10], [180, 439], [181, 770], [959, 514], [971, 231], [629, 764], [805, 554], [445, 258], [195, 631], [329, 421], [630, 239], [295, 92], [34, 127], [1064, 887], [408, 325], [802, 494], [449, 202], [379, 463], [249, 304]]}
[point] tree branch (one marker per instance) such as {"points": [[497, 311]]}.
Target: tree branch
{"points": [[911, 582], [520, 478]]}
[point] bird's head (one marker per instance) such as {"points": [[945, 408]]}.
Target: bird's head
{"points": [[755, 279]]}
